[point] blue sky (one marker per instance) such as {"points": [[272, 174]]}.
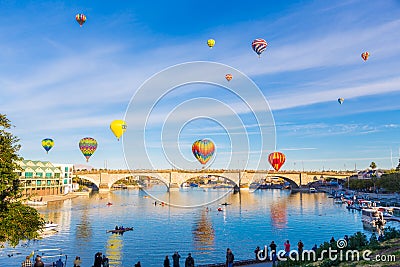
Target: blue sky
{"points": [[67, 82]]}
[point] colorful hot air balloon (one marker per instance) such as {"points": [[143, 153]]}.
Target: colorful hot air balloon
{"points": [[118, 127], [276, 159], [88, 146], [259, 45], [211, 43], [203, 150], [340, 100], [365, 56], [47, 144], [228, 77], [80, 18]]}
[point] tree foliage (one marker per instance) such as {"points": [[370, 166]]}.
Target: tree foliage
{"points": [[372, 165], [17, 221]]}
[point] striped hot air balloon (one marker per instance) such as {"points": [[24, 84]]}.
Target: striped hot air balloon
{"points": [[203, 150], [276, 159], [88, 146], [80, 18], [259, 45]]}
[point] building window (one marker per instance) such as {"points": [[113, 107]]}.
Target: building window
{"points": [[66, 169], [56, 175], [39, 174], [66, 175], [38, 182], [48, 182], [28, 174], [48, 175], [65, 181]]}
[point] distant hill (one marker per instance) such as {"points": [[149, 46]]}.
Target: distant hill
{"points": [[82, 167]]}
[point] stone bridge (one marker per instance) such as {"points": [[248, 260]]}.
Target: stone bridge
{"points": [[174, 178]]}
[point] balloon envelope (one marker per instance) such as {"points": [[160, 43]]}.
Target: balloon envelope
{"points": [[228, 77], [276, 159], [365, 56], [203, 150], [88, 146], [340, 100], [47, 144], [118, 127], [259, 45], [80, 18], [211, 43]]}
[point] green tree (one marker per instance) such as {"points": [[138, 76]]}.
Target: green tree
{"points": [[17, 221], [372, 165]]}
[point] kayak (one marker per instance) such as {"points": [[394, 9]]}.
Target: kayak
{"points": [[120, 231]]}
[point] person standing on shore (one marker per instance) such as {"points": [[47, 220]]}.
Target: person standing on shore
{"points": [[77, 261], [229, 257], [272, 246], [27, 262], [189, 261], [287, 248], [175, 259], [166, 262], [300, 247], [38, 262]]}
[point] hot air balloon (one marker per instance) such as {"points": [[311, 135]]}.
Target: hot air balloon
{"points": [[276, 159], [340, 100], [118, 127], [80, 18], [259, 45], [88, 146], [203, 150], [47, 144], [365, 56], [211, 43], [228, 77]]}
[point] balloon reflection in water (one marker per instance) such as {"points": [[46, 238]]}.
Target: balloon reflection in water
{"points": [[278, 214], [203, 233]]}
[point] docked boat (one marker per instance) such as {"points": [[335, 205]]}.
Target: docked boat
{"points": [[35, 203], [50, 226], [312, 190], [372, 218], [120, 231]]}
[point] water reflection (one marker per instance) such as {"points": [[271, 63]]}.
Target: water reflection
{"points": [[114, 249], [203, 232]]}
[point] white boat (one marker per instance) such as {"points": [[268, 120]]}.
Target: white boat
{"points": [[372, 218], [313, 190], [50, 226], [36, 203]]}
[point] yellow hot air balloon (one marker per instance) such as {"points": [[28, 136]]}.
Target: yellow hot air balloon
{"points": [[211, 43], [118, 127]]}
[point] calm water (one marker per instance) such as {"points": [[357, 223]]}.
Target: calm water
{"points": [[252, 219]]}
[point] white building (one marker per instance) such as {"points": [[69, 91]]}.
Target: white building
{"points": [[67, 172]]}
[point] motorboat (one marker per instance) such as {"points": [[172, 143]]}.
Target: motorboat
{"points": [[372, 218], [312, 190]]}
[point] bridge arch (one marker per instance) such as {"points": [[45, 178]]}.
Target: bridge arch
{"points": [[293, 184], [181, 182], [88, 178]]}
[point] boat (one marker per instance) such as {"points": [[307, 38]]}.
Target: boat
{"points": [[36, 203], [225, 204], [120, 231], [386, 211], [372, 218], [313, 190], [50, 226], [220, 209]]}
